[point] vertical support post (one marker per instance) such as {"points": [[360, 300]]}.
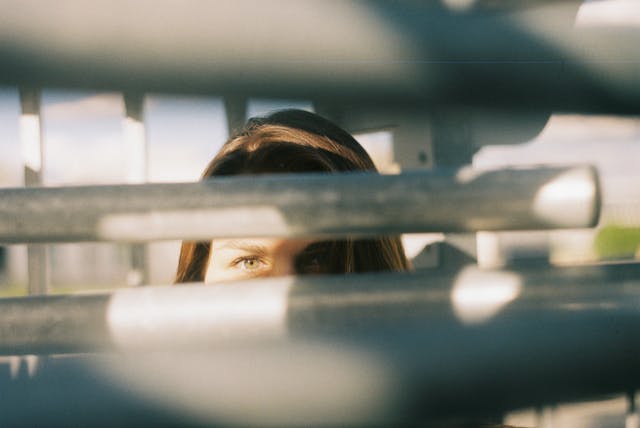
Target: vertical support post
{"points": [[136, 146], [632, 419], [545, 417], [452, 146], [489, 253], [236, 111], [32, 154]]}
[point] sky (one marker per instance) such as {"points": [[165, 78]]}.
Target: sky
{"points": [[84, 141]]}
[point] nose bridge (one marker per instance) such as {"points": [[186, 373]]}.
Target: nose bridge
{"points": [[285, 255], [283, 264]]}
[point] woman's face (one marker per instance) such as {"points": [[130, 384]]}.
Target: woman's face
{"points": [[237, 259]]}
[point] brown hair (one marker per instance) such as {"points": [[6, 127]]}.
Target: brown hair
{"points": [[296, 141]]}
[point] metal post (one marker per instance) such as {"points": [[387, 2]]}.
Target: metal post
{"points": [[545, 416], [32, 151], [632, 419], [235, 108], [136, 146]]}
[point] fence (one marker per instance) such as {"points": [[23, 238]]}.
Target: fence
{"points": [[388, 348]]}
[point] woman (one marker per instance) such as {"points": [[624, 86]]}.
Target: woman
{"points": [[289, 141]]}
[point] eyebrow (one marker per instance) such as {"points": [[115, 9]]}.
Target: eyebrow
{"points": [[246, 246]]}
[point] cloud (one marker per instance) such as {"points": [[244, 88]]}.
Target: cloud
{"points": [[89, 107], [96, 160]]}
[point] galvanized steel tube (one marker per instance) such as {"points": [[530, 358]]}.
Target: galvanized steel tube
{"points": [[305, 205], [196, 316], [362, 52], [355, 350]]}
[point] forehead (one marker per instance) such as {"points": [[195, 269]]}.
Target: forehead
{"points": [[261, 245]]}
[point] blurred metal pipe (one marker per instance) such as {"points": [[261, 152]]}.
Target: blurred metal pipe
{"points": [[354, 350], [375, 51], [305, 205], [420, 306]]}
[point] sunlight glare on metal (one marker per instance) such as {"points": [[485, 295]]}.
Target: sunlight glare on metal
{"points": [[300, 384], [459, 5], [479, 295], [192, 224], [467, 174], [609, 12], [568, 199], [143, 319]]}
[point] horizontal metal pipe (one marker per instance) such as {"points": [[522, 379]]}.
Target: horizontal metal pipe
{"points": [[396, 53], [305, 205], [195, 315], [338, 350]]}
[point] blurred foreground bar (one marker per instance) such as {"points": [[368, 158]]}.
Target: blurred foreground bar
{"points": [[354, 350], [522, 56], [305, 205], [421, 305]]}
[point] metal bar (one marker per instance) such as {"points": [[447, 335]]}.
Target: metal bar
{"points": [[182, 317], [235, 109], [136, 143], [396, 53], [305, 205], [32, 150], [362, 348]]}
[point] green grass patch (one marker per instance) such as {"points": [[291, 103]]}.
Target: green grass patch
{"points": [[614, 242], [20, 290]]}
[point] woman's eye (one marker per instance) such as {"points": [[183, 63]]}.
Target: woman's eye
{"points": [[249, 264]]}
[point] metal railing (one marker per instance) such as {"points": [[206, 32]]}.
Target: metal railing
{"points": [[400, 54], [361, 349], [392, 347], [305, 204], [425, 304]]}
